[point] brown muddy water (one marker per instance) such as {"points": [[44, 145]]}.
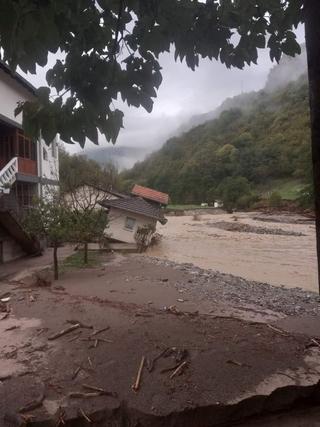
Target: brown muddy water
{"points": [[275, 259]]}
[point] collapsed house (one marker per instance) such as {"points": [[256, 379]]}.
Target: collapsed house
{"points": [[28, 167], [132, 219]]}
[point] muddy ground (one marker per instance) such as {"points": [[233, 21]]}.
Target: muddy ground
{"points": [[235, 362]]}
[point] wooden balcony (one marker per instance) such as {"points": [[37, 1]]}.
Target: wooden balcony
{"points": [[27, 166]]}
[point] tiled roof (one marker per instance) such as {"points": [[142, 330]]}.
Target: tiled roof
{"points": [[135, 205], [150, 194]]}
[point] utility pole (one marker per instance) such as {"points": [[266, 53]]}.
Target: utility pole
{"points": [[312, 28]]}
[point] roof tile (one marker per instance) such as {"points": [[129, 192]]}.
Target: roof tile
{"points": [[150, 194]]}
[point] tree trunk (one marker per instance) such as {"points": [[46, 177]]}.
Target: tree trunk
{"points": [[55, 262], [312, 27], [85, 254]]}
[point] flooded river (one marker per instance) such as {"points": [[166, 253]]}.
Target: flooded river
{"points": [[276, 259]]}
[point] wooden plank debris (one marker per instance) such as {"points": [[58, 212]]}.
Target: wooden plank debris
{"points": [[64, 332], [136, 385], [99, 331], [179, 369], [85, 416]]}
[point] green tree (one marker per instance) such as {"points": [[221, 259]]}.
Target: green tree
{"points": [[110, 49], [76, 171], [234, 192], [88, 226], [50, 220]]}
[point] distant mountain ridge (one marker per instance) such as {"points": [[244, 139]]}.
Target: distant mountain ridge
{"points": [[265, 140], [289, 69]]}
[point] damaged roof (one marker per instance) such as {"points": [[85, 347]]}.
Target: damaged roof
{"points": [[135, 205], [150, 194]]}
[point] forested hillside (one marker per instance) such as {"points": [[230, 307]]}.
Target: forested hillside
{"points": [[246, 149]]}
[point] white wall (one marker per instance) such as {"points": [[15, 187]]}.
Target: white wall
{"points": [[48, 159], [116, 226], [11, 92]]}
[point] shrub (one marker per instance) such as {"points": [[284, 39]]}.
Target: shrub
{"points": [[275, 200]]}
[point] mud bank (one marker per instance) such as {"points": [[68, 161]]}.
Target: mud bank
{"points": [[237, 364]]}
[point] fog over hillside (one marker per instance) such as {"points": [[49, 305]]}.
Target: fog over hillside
{"points": [[142, 135]]}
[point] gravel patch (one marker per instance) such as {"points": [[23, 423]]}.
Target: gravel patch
{"points": [[226, 288], [284, 219], [246, 228]]}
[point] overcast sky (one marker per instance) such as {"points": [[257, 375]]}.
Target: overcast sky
{"points": [[183, 93]]}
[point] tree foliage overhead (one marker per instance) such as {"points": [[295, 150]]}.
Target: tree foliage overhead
{"points": [[109, 50], [268, 141]]}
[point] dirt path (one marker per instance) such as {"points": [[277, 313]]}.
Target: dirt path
{"points": [[233, 367], [271, 258]]}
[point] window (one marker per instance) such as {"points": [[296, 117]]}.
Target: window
{"points": [[130, 223], [44, 154], [54, 149]]}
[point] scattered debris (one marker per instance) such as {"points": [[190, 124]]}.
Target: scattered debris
{"points": [[64, 332], [279, 331], [42, 279], [143, 314], [173, 310], [4, 316], [151, 364], [79, 395], [82, 325], [313, 343], [75, 337], [136, 385], [33, 405], [74, 375], [11, 328], [61, 417], [32, 298], [5, 377], [179, 369], [27, 418], [235, 362], [99, 331], [4, 296], [101, 391], [85, 416]]}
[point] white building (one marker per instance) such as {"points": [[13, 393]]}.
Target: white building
{"points": [[129, 216], [28, 168]]}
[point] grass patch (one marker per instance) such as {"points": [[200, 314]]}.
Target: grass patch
{"points": [[183, 207], [75, 260], [288, 189]]}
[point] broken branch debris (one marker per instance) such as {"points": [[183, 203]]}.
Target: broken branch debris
{"points": [[136, 385], [99, 331], [32, 405], [85, 416], [179, 370], [64, 332]]}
